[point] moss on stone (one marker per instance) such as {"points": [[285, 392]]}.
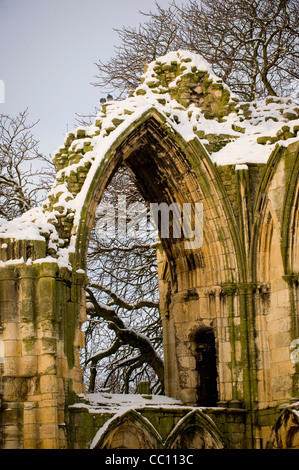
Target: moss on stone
{"points": [[140, 91], [29, 343]]}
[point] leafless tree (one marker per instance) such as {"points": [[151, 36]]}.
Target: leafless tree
{"points": [[124, 333], [159, 34], [25, 174], [251, 44]]}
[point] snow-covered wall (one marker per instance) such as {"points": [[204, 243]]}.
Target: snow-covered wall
{"points": [[195, 104]]}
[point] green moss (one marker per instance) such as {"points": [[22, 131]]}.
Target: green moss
{"points": [[272, 118], [81, 133], [238, 128], [264, 140], [29, 343], [161, 101], [153, 84], [170, 68], [110, 129], [290, 116], [200, 134], [70, 138]]}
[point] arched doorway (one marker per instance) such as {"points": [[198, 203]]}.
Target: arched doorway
{"points": [[168, 170]]}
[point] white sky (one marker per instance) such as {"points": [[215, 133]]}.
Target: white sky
{"points": [[48, 51]]}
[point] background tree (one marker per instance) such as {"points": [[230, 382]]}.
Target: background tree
{"points": [[251, 44], [25, 174], [123, 336]]}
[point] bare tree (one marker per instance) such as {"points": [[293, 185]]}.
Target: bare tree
{"points": [[251, 44], [159, 34], [124, 333], [25, 174]]}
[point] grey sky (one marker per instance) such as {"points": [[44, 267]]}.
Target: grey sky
{"points": [[48, 51]]}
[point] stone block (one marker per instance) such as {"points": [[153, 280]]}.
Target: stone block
{"points": [[47, 364], [12, 348], [11, 366], [29, 365], [31, 443], [47, 414], [280, 354], [47, 442], [11, 444], [30, 414]]}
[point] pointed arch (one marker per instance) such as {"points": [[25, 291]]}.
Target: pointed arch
{"points": [[271, 254], [288, 219], [285, 432], [168, 169], [268, 231], [127, 431]]}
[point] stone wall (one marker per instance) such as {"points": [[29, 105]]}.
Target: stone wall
{"points": [[153, 426], [233, 300], [41, 313]]}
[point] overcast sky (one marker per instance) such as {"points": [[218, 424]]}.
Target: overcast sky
{"points": [[48, 54]]}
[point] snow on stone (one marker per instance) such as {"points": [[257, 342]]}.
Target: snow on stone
{"points": [[30, 226], [120, 403], [195, 60], [254, 130]]}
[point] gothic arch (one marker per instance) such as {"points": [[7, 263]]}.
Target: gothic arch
{"points": [[269, 233], [128, 431], [273, 246], [161, 133], [168, 169], [195, 431], [285, 432], [287, 222], [293, 258]]}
